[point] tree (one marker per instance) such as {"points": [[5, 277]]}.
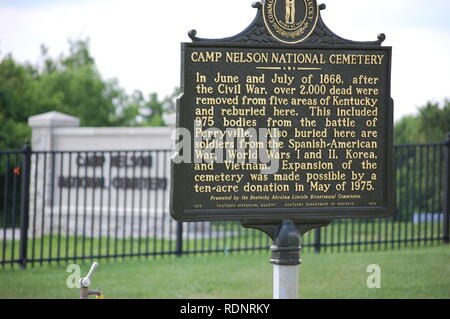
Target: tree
{"points": [[435, 121], [150, 110], [17, 95], [415, 164], [431, 124], [406, 130], [69, 84], [79, 89]]}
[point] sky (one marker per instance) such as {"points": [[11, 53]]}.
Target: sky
{"points": [[138, 42]]}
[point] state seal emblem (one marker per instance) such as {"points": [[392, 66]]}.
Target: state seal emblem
{"points": [[290, 21]]}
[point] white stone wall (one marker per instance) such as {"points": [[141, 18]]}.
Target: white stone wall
{"points": [[107, 210]]}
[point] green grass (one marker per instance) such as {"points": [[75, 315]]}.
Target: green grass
{"points": [[406, 273]]}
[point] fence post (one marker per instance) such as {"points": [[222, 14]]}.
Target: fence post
{"points": [[24, 203], [179, 243], [317, 240], [446, 192]]}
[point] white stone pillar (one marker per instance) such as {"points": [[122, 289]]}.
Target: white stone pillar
{"points": [[43, 126]]}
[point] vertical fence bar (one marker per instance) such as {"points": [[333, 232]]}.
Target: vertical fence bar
{"points": [[61, 163], [427, 192], [92, 210], [407, 201], [345, 235], [24, 204], [399, 195], [44, 194], [179, 244], [133, 192], [116, 230], [16, 171], [155, 217], [441, 184], [147, 219], [68, 208], [164, 206], [35, 183], [433, 192], [124, 206], [211, 236], [353, 235], [141, 190], [359, 244], [77, 196], [332, 233], [108, 223], [85, 196], [446, 206], [5, 207], [420, 196], [101, 187], [52, 204], [317, 242], [413, 196]]}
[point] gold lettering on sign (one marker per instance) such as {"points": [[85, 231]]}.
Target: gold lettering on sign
{"points": [[324, 111]]}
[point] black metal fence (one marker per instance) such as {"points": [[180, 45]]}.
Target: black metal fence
{"points": [[72, 206]]}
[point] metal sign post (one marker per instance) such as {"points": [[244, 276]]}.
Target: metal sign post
{"points": [[286, 261], [285, 249]]}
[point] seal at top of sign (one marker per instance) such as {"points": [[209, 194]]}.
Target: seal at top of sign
{"points": [[290, 21]]}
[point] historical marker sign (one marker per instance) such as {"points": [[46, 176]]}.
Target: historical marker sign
{"points": [[284, 121]]}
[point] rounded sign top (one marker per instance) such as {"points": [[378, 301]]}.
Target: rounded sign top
{"points": [[290, 21]]}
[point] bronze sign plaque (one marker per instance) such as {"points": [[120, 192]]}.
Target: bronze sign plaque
{"points": [[272, 131]]}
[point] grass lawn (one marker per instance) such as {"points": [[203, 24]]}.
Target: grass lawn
{"points": [[407, 273]]}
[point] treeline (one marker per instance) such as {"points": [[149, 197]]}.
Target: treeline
{"points": [[431, 124], [420, 169], [70, 84]]}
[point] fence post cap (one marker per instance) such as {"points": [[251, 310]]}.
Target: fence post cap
{"points": [[53, 119]]}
